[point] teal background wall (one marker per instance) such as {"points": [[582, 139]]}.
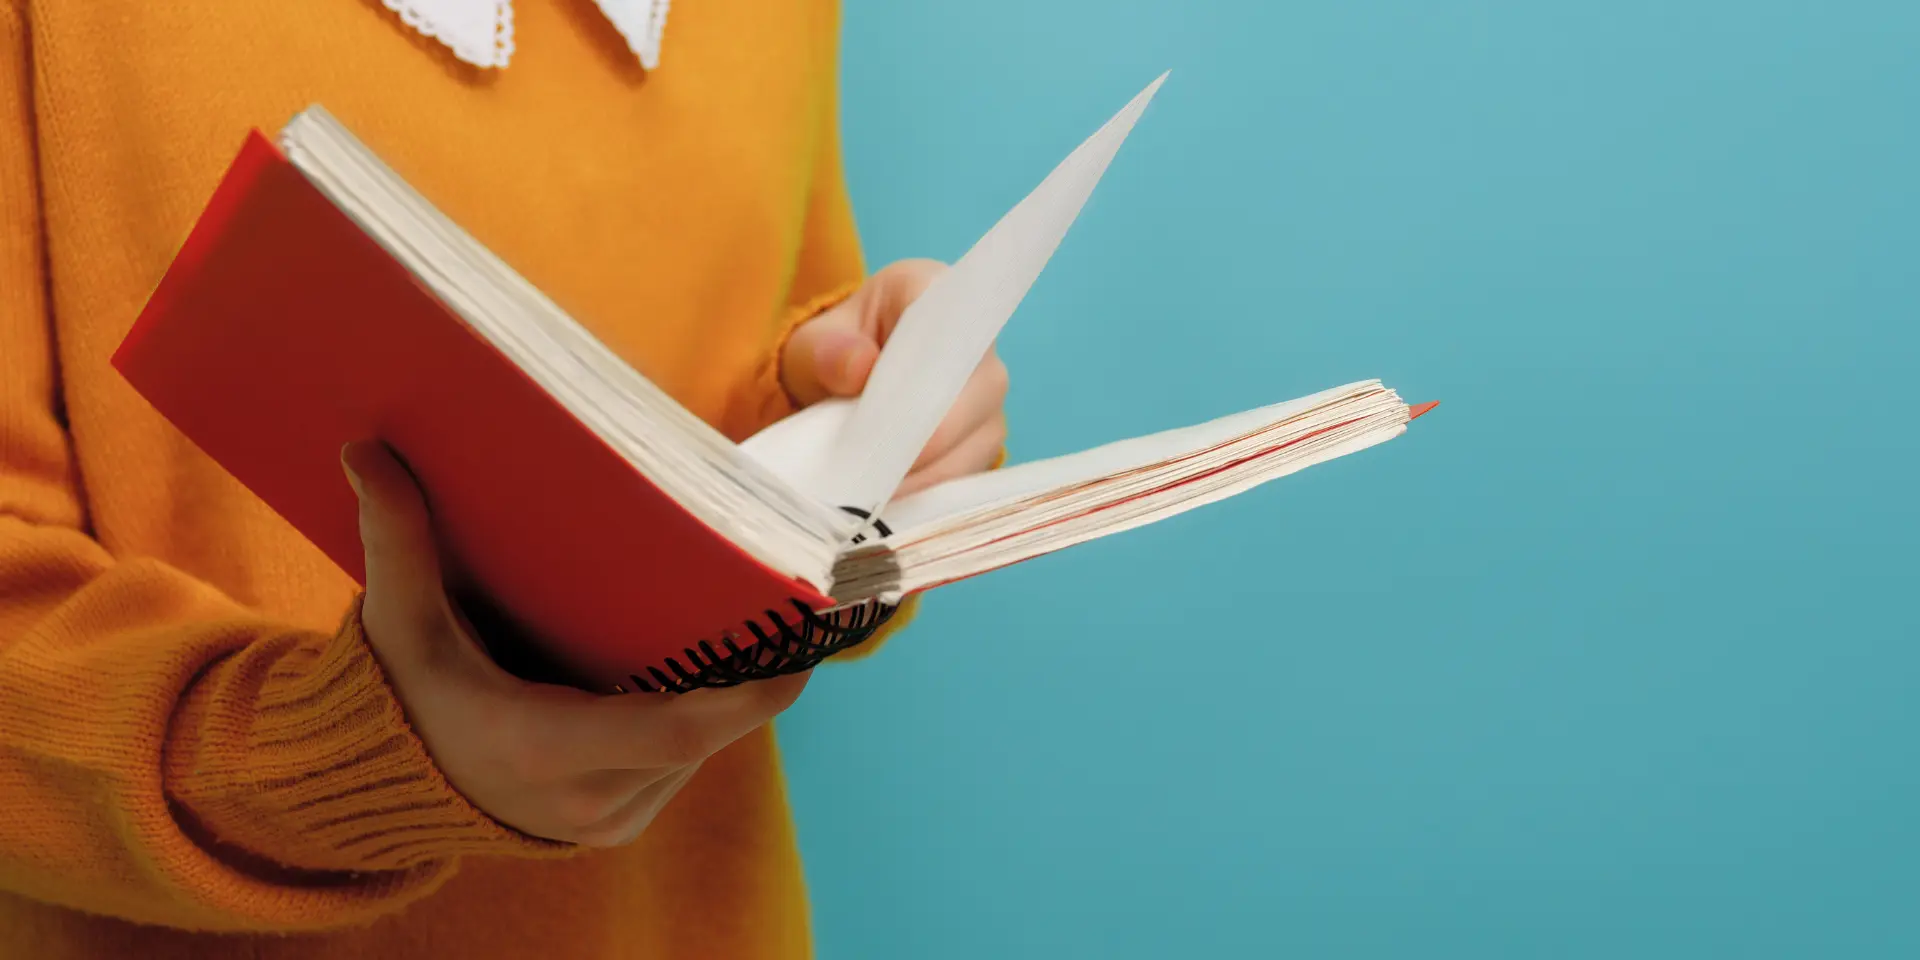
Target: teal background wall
{"points": [[1614, 655]]}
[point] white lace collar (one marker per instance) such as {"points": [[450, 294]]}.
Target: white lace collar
{"points": [[481, 31]]}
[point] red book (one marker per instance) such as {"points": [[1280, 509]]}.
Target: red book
{"points": [[597, 532], [282, 332]]}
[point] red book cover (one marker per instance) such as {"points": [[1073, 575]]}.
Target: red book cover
{"points": [[282, 331]]}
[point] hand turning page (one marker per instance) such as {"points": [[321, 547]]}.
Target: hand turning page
{"points": [[854, 454]]}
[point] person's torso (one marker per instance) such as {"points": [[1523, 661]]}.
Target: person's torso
{"points": [[662, 210]]}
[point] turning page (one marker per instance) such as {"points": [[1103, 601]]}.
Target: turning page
{"points": [[854, 453]]}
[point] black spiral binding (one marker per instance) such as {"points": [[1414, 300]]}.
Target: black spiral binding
{"points": [[780, 645], [879, 526], [782, 642]]}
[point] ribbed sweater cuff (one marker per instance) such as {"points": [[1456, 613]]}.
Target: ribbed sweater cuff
{"points": [[296, 751]]}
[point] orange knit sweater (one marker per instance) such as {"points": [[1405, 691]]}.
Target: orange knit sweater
{"points": [[196, 758]]}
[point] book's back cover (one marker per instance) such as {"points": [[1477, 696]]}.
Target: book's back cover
{"points": [[282, 332]]}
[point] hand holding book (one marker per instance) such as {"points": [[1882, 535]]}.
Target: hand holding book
{"points": [[553, 762], [550, 761]]}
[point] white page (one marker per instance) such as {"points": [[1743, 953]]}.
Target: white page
{"points": [[963, 494], [797, 447], [942, 337]]}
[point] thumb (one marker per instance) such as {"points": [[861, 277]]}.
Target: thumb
{"points": [[404, 588], [829, 356]]}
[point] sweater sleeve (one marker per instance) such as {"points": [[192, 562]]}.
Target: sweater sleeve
{"points": [[168, 756]]}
